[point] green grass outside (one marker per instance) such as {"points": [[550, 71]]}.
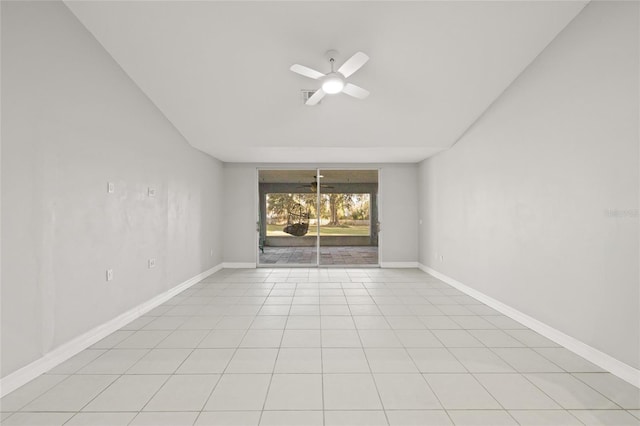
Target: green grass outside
{"points": [[276, 230]]}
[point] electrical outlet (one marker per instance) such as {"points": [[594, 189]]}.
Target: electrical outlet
{"points": [[152, 263], [109, 274], [151, 192], [441, 258], [111, 187]]}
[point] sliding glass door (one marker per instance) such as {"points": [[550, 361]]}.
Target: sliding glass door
{"points": [[287, 219], [317, 217], [348, 217]]}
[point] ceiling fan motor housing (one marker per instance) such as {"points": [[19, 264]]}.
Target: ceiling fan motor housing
{"points": [[333, 83]]}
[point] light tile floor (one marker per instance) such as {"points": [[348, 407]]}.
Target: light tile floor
{"points": [[323, 347]]}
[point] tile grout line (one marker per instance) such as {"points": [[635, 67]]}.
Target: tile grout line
{"points": [[177, 368], [375, 383], [418, 369], [266, 396], [118, 378], [230, 359], [422, 375], [324, 418]]}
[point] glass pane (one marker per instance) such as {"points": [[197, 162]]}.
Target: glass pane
{"points": [[348, 217], [287, 219]]}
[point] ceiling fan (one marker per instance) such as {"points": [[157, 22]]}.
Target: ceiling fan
{"points": [[334, 81], [313, 186]]}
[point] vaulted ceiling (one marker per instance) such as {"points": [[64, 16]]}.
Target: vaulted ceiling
{"points": [[219, 71]]}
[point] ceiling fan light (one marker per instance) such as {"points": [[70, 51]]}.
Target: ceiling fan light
{"points": [[332, 84]]}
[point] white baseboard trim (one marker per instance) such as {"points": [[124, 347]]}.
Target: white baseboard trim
{"points": [[65, 351], [597, 357], [398, 264], [239, 265]]}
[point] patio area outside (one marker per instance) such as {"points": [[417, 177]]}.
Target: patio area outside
{"points": [[339, 255]]}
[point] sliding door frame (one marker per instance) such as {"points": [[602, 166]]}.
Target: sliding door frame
{"points": [[318, 197]]}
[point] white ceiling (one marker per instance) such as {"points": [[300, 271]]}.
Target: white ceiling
{"points": [[219, 71]]}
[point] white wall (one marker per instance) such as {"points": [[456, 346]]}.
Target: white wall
{"points": [[398, 213], [398, 209], [240, 213], [519, 208], [72, 121]]}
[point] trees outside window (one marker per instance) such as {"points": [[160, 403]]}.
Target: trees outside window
{"points": [[340, 214]]}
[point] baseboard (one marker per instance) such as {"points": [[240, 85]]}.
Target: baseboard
{"points": [[67, 350], [398, 264], [597, 357], [239, 265]]}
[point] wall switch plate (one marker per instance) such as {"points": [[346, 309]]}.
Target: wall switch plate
{"points": [[211, 253], [111, 187], [441, 258], [152, 263], [109, 274], [151, 192]]}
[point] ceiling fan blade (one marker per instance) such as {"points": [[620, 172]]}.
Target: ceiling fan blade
{"points": [[306, 71], [353, 64], [355, 91], [315, 98]]}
